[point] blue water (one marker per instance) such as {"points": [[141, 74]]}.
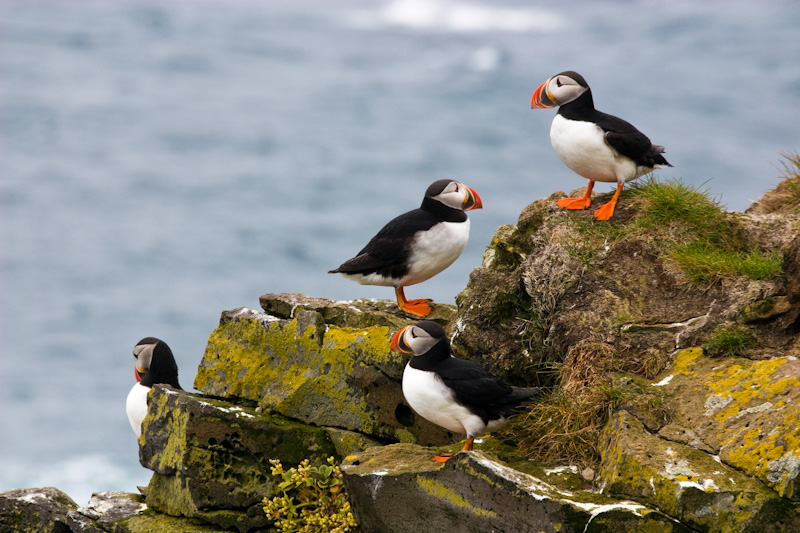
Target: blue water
{"points": [[162, 162]]}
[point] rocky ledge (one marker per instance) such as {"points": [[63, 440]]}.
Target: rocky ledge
{"points": [[695, 368]]}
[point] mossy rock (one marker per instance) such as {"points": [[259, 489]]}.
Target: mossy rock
{"points": [[398, 488], [37, 510], [687, 483], [350, 314], [211, 457], [745, 411], [311, 371]]}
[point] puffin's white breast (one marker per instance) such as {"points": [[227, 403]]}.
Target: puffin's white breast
{"points": [[136, 406], [582, 147], [429, 397], [436, 249]]}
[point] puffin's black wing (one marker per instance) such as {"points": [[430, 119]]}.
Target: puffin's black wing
{"points": [[386, 253], [472, 384], [623, 137]]}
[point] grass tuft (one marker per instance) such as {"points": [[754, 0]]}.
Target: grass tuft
{"points": [[702, 262], [729, 341]]}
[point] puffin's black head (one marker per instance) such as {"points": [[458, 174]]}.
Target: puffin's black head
{"points": [[561, 89], [155, 363], [420, 338], [453, 194]]}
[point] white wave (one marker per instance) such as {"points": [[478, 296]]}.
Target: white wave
{"points": [[455, 16]]}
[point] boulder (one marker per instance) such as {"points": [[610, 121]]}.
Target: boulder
{"points": [[211, 458], [687, 483], [41, 510], [398, 488], [747, 412], [313, 371]]}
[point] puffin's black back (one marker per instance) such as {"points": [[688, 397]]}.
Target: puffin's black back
{"points": [[388, 252], [620, 134], [163, 368]]}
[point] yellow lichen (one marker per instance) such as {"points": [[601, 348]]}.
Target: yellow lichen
{"points": [[438, 490]]}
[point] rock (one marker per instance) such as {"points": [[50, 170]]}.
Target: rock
{"points": [[315, 372], [686, 483], [107, 508], [350, 314], [745, 411], [211, 458], [38, 510], [398, 488], [559, 285]]}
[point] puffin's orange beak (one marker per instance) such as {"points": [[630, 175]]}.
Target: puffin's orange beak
{"points": [[136, 371], [473, 201], [398, 344], [540, 100]]}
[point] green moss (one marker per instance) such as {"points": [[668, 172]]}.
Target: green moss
{"points": [[152, 522], [440, 491]]}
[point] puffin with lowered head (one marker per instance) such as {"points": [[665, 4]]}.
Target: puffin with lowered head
{"points": [[417, 245], [453, 393], [154, 364], [593, 144]]}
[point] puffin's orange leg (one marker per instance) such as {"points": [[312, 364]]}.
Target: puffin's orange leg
{"points": [[418, 307], [444, 456], [605, 211], [578, 203]]}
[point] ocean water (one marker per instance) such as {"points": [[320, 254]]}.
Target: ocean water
{"points": [[163, 162]]}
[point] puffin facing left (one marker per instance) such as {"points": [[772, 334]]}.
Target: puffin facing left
{"points": [[453, 393], [593, 144], [417, 245], [154, 364]]}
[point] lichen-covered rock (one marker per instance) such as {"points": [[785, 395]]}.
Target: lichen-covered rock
{"points": [[349, 314], [311, 371], [39, 510], [687, 483], [746, 411], [211, 458], [398, 488]]}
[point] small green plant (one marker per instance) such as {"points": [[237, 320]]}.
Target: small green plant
{"points": [[730, 341], [310, 499]]}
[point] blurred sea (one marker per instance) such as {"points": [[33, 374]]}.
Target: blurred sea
{"points": [[161, 162]]}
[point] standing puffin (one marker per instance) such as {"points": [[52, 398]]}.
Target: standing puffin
{"points": [[417, 245], [598, 146], [154, 364], [453, 393]]}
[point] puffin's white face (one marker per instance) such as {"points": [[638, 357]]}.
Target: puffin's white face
{"points": [[143, 357], [459, 196], [413, 339], [558, 90]]}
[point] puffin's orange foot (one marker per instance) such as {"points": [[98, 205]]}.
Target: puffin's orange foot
{"points": [[574, 203], [605, 211], [418, 307], [442, 457]]}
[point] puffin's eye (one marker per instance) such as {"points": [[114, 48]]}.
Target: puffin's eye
{"points": [[558, 82], [413, 335]]}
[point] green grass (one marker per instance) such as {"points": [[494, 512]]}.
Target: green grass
{"points": [[729, 340], [702, 262], [691, 230]]}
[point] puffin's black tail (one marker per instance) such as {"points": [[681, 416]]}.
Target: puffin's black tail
{"points": [[653, 157]]}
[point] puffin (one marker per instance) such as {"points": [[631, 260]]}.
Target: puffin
{"points": [[154, 364], [453, 393], [593, 144], [416, 245]]}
